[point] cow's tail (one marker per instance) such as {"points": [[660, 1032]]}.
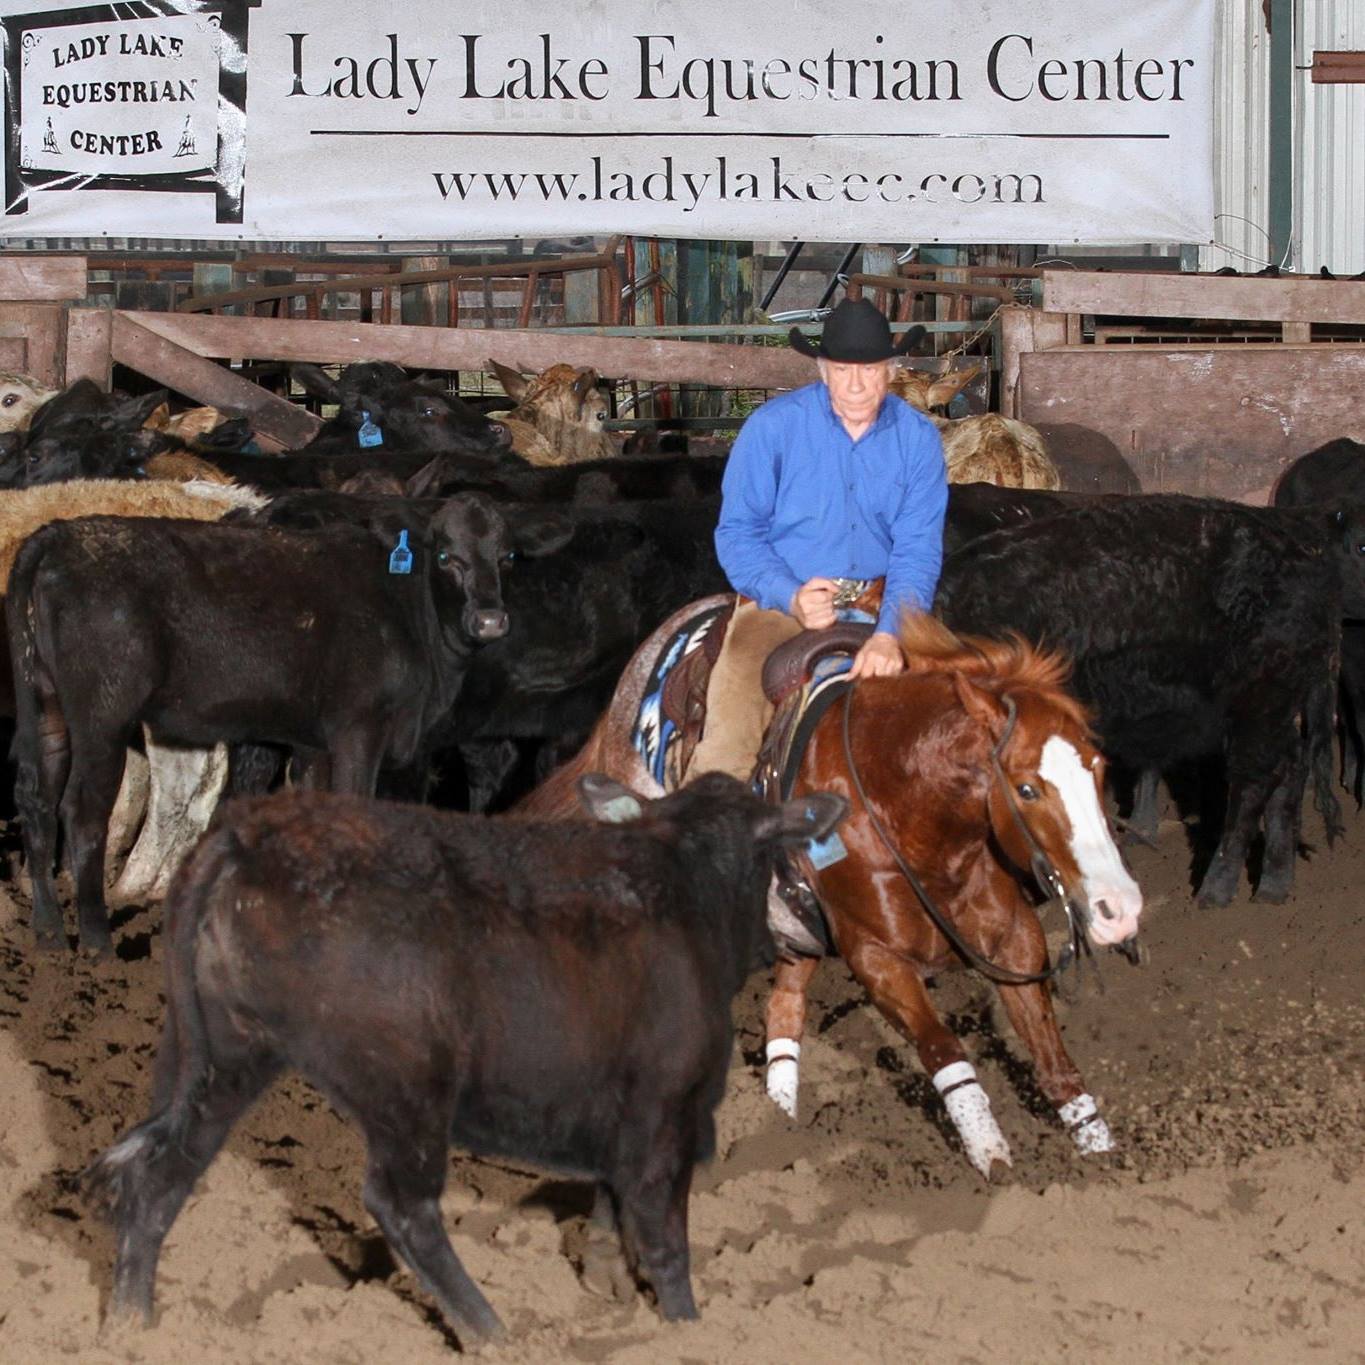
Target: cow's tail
{"points": [[183, 1063], [26, 640], [1320, 725]]}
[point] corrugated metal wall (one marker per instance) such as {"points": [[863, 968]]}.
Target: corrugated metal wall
{"points": [[1329, 143], [1241, 139]]}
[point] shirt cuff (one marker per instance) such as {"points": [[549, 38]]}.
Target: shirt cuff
{"points": [[777, 593]]}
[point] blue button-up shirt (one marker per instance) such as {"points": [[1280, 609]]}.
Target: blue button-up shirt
{"points": [[802, 499]]}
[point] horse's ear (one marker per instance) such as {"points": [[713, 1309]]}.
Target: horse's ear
{"points": [[983, 707]]}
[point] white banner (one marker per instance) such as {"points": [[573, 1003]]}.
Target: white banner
{"points": [[892, 121]]}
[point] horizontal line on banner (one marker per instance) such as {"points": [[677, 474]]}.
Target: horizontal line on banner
{"points": [[493, 132]]}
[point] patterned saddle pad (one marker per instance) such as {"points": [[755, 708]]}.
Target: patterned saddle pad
{"points": [[673, 711]]}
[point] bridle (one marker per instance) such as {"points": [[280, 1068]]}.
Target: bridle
{"points": [[1045, 874]]}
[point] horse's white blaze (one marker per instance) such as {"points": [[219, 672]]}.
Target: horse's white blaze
{"points": [[1103, 875]]}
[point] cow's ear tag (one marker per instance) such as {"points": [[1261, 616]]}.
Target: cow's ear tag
{"points": [[827, 851], [619, 810], [371, 434], [400, 559]]}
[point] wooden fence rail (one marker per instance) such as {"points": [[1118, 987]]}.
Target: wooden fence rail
{"points": [[180, 349]]}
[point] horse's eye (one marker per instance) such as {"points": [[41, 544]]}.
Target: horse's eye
{"points": [[1028, 791], [9, 400], [443, 556], [509, 557]]}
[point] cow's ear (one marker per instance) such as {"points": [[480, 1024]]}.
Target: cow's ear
{"points": [[947, 387], [426, 482], [584, 383], [132, 413], [803, 817], [81, 399], [513, 383], [605, 799], [540, 533], [315, 382]]}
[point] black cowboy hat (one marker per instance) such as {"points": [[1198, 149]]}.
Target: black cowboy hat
{"points": [[857, 333]]}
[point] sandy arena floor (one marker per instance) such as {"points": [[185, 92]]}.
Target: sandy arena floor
{"points": [[1229, 1227]]}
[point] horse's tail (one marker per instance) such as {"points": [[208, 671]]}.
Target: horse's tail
{"points": [[183, 1062]]}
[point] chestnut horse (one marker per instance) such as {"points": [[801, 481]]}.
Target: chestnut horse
{"points": [[965, 773]]}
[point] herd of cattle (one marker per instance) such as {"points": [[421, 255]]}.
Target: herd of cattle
{"points": [[411, 605]]}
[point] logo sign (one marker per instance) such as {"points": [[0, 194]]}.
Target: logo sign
{"points": [[893, 122], [123, 97]]}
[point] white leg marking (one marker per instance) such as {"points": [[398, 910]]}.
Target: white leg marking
{"points": [[1088, 1130], [969, 1107], [784, 1058], [1108, 886]]}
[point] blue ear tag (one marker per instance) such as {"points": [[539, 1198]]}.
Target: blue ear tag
{"points": [[400, 561], [826, 851], [371, 435]]}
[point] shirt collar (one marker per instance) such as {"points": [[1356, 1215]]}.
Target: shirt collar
{"points": [[882, 420]]}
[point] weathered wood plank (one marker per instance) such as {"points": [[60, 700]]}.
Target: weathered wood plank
{"points": [[89, 346], [1221, 422], [182, 370], [1023, 330], [1203, 296], [468, 348], [50, 279], [42, 329]]}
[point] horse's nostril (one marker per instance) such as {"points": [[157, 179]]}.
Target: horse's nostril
{"points": [[1105, 911]]}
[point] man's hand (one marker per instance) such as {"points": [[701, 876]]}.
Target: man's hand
{"points": [[813, 603], [880, 657]]}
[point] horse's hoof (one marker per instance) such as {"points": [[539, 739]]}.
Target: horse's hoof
{"points": [[784, 1078], [969, 1107], [1088, 1130]]}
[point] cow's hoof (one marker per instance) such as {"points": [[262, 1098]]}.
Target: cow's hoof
{"points": [[603, 1272], [50, 940], [1272, 891], [97, 947], [1217, 889]]}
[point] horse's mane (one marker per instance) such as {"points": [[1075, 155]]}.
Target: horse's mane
{"points": [[1011, 663]]}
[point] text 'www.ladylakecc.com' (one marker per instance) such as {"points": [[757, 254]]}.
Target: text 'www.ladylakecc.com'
{"points": [[720, 181]]}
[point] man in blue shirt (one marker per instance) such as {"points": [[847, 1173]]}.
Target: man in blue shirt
{"points": [[838, 480]]}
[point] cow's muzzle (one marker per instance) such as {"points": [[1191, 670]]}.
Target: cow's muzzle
{"points": [[487, 625]]}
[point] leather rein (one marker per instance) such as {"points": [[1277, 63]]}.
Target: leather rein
{"points": [[1045, 874]]}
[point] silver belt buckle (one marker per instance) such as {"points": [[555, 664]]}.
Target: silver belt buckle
{"points": [[848, 590]]}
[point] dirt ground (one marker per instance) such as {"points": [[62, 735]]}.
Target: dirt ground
{"points": [[1229, 1226]]}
